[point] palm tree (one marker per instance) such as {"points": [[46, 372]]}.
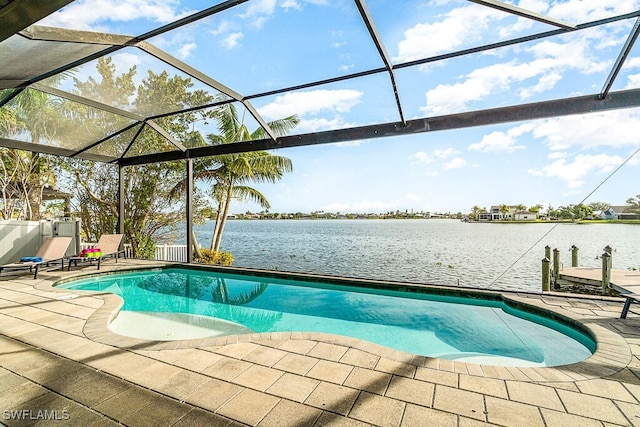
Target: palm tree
{"points": [[504, 210], [230, 173], [39, 115], [536, 209], [475, 210]]}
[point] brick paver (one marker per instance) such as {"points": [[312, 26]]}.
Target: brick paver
{"points": [[57, 353], [377, 410]]}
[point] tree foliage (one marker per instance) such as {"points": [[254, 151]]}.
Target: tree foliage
{"points": [[599, 206], [634, 204], [230, 175], [572, 212], [148, 212], [33, 116], [23, 177], [149, 209]]}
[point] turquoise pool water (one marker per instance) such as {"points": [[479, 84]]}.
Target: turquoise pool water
{"points": [[455, 328]]}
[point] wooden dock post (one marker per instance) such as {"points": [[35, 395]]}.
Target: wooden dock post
{"points": [[574, 256], [556, 265], [546, 275], [547, 252], [606, 272], [607, 249]]}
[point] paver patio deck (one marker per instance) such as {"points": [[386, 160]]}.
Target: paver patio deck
{"points": [[61, 365]]}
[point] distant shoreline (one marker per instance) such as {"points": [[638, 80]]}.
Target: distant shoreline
{"points": [[368, 218]]}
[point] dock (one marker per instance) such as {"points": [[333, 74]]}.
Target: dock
{"points": [[621, 280], [624, 282]]}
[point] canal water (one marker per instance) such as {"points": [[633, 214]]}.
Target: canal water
{"points": [[446, 252]]}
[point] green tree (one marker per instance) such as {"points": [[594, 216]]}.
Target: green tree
{"points": [[475, 210], [599, 206], [504, 210], [25, 174], [536, 209], [148, 214], [634, 204], [230, 174], [574, 212]]}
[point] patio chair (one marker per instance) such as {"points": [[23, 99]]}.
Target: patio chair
{"points": [[109, 245], [53, 249]]}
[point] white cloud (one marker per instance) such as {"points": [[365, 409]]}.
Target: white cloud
{"points": [[231, 40], [422, 157], [186, 49], [575, 171], [222, 28], [459, 26], [538, 70], [545, 83], [614, 129], [498, 142], [633, 81], [631, 63], [617, 128], [311, 102], [260, 7], [590, 10], [94, 14], [355, 143], [443, 154], [455, 163], [557, 155], [316, 124], [124, 61], [496, 78], [290, 4]]}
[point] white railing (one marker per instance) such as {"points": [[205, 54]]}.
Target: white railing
{"points": [[171, 253], [163, 252]]}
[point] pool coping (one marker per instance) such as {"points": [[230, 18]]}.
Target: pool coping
{"points": [[612, 352]]}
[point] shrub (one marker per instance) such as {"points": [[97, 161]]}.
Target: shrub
{"points": [[214, 258]]}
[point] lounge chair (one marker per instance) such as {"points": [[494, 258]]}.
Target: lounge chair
{"points": [[109, 245], [53, 249], [630, 298]]}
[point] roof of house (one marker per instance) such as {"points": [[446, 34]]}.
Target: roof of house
{"points": [[622, 209]]}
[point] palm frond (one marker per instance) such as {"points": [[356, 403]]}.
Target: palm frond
{"points": [[244, 193], [280, 127]]}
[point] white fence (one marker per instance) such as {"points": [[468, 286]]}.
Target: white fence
{"points": [[163, 252], [23, 238], [171, 253]]}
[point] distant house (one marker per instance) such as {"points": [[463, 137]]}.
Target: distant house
{"points": [[512, 214], [496, 214], [619, 212], [484, 216], [524, 216]]}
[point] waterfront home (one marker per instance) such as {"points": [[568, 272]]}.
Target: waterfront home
{"points": [[618, 212], [495, 214], [525, 216]]}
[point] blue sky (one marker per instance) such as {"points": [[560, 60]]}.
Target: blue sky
{"points": [[269, 44]]}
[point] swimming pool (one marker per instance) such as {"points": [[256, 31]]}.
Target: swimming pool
{"points": [[450, 327]]}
